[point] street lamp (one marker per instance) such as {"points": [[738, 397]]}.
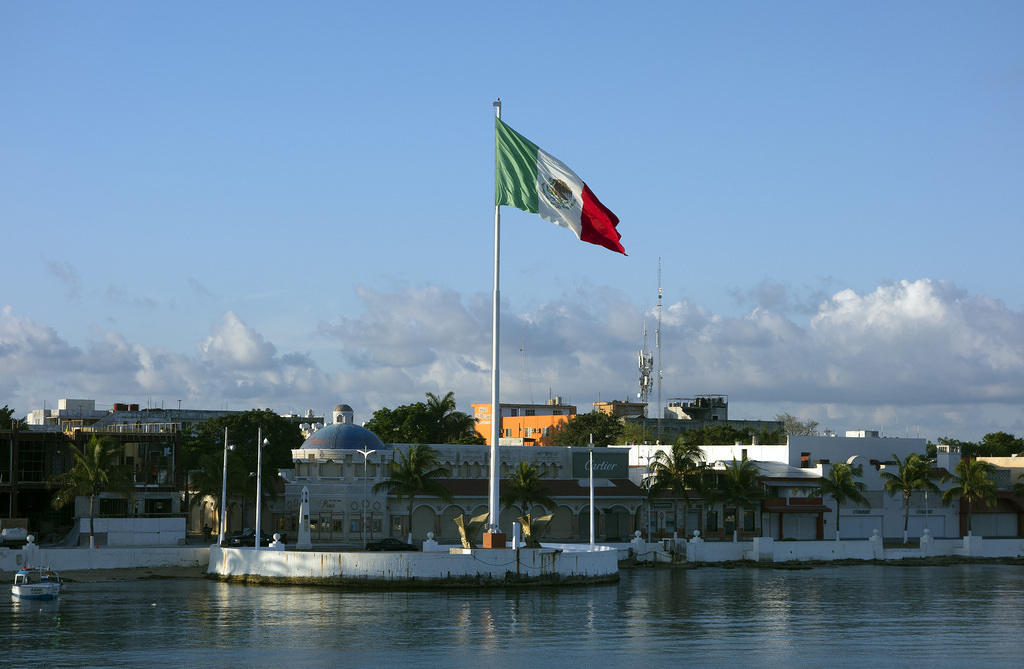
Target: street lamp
{"points": [[261, 443], [223, 524], [366, 454]]}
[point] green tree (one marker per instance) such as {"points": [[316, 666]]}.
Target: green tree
{"points": [[974, 484], [739, 485], [524, 489], [605, 428], [727, 434], [204, 451], [97, 469], [636, 432], [841, 485], [793, 426], [415, 471], [911, 474], [432, 422], [999, 445], [8, 421], [675, 473]]}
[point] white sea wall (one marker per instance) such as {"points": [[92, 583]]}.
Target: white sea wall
{"points": [[134, 531], [70, 559], [488, 564], [846, 549]]}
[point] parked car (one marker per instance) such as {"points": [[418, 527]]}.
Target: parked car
{"points": [[389, 544], [247, 537]]}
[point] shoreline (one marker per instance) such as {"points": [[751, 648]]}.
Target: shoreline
{"points": [[200, 572], [131, 574]]}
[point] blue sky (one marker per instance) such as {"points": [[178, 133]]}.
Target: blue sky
{"points": [[248, 204]]}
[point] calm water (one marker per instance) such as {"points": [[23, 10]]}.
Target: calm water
{"points": [[965, 615]]}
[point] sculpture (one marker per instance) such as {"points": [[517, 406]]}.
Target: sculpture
{"points": [[533, 528], [471, 528]]}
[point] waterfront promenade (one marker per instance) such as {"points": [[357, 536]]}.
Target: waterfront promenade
{"points": [[564, 561]]}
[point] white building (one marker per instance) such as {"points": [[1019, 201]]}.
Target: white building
{"points": [[331, 464], [792, 470]]}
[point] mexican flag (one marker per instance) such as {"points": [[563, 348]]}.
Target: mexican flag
{"points": [[530, 179]]}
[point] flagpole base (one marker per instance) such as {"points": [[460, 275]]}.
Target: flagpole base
{"points": [[494, 540]]}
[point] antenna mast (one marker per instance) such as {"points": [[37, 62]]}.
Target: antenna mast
{"points": [[646, 364], [657, 343]]}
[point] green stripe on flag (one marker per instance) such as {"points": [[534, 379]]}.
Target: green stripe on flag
{"points": [[515, 174]]}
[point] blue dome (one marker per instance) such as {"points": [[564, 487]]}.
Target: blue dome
{"points": [[342, 436]]}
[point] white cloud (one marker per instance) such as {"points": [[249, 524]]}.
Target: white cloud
{"points": [[911, 356], [234, 345]]}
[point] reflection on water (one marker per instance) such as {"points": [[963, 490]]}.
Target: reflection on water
{"points": [[851, 615]]}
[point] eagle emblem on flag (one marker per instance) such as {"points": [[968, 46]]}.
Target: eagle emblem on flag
{"points": [[558, 193]]}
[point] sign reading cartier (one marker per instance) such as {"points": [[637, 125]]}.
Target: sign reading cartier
{"points": [[608, 464]]}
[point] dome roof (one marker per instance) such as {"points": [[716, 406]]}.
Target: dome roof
{"points": [[343, 407], [342, 436]]}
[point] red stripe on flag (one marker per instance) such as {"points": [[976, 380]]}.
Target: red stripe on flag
{"points": [[598, 223]]}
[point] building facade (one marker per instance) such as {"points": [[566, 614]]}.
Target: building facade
{"points": [[524, 424], [341, 464]]}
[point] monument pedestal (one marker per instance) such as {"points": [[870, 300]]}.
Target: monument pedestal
{"points": [[494, 540]]}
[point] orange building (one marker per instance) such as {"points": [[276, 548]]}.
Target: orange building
{"points": [[524, 424]]}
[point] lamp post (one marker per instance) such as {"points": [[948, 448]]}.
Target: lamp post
{"points": [[223, 524], [366, 454], [260, 444]]}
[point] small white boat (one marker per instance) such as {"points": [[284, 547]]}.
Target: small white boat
{"points": [[36, 583]]}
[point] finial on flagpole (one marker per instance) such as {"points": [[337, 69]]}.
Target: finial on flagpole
{"points": [[497, 107]]}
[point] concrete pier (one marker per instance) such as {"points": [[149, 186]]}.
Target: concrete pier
{"points": [[476, 567]]}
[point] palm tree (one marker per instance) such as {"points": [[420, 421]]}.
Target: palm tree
{"points": [[449, 426], [415, 472], [97, 469], [676, 473], [523, 489], [841, 487], [739, 485], [911, 474], [974, 484]]}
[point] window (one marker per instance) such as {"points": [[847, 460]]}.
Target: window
{"points": [[748, 520], [330, 469], [158, 506], [113, 507], [729, 519], [354, 525], [513, 412], [711, 522], [529, 412], [508, 432], [556, 412], [528, 432]]}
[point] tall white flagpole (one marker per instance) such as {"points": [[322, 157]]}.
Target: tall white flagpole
{"points": [[591, 468], [492, 506]]}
